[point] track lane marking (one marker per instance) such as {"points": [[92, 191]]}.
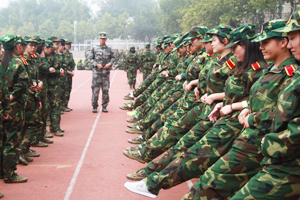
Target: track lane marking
{"points": [[79, 165]]}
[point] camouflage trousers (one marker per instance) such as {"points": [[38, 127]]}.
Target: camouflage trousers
{"points": [[270, 184], [45, 110], [63, 87], [13, 128], [159, 123], [194, 153], [175, 127], [54, 93], [145, 84], [68, 89], [236, 167], [159, 107], [131, 75], [147, 93], [146, 73], [33, 125], [100, 80]]}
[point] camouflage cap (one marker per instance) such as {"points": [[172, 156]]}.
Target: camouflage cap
{"points": [[267, 30], [132, 48], [207, 38], [167, 42], [177, 43], [175, 36], [187, 43], [293, 24], [221, 30], [28, 39], [54, 39], [49, 43], [245, 32], [9, 41], [197, 31], [40, 40], [165, 37], [67, 41], [102, 35], [147, 46]]}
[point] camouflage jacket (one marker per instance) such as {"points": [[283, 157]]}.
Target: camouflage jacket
{"points": [[53, 78], [69, 60], [17, 79], [61, 57], [173, 72], [147, 59], [237, 89], [264, 96], [192, 71], [216, 78], [102, 55], [281, 146], [32, 69], [132, 60], [4, 95], [43, 68], [201, 85]]}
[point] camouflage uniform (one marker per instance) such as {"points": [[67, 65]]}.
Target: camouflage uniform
{"points": [[147, 60], [243, 160], [54, 92], [70, 67], [33, 122], [132, 64], [101, 55], [18, 83]]}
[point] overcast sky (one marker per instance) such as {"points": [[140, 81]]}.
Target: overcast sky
{"points": [[95, 8]]}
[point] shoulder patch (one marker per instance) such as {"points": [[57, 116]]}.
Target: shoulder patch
{"points": [[230, 63], [23, 60], [255, 66], [218, 57], [289, 70], [0, 53], [34, 56], [209, 55]]}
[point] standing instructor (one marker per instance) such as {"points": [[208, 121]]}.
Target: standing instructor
{"points": [[102, 58]]}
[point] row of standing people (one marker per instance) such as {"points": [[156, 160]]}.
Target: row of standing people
{"points": [[36, 82], [222, 105]]}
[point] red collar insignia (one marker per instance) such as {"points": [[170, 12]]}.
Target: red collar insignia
{"points": [[23, 60], [255, 66]]}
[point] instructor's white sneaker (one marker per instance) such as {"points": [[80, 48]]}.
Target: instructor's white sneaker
{"points": [[139, 188]]}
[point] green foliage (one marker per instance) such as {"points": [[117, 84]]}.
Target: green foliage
{"points": [[65, 30]]}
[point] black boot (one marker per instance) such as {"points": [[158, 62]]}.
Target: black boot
{"points": [[104, 109], [94, 109]]}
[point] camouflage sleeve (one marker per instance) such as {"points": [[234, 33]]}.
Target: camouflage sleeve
{"points": [[5, 100], [72, 62], [22, 77], [112, 57], [261, 120], [283, 144], [56, 65], [92, 58]]}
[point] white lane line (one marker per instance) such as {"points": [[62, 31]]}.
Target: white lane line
{"points": [[81, 85], [79, 165], [190, 184]]}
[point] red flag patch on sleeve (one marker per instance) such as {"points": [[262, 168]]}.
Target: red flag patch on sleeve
{"points": [[289, 70], [230, 63], [255, 66]]}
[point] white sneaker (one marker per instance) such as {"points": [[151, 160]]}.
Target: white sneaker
{"points": [[139, 188]]}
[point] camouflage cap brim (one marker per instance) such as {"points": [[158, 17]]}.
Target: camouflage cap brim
{"points": [[293, 24], [231, 44]]}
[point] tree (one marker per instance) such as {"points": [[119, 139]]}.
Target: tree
{"points": [[47, 29], [26, 30], [74, 11], [85, 30], [65, 30]]}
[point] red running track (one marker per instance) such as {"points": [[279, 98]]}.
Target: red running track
{"points": [[87, 163]]}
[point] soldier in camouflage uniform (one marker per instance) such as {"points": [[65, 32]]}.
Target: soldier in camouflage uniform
{"points": [[102, 59], [131, 67], [54, 88], [279, 176], [147, 60], [243, 160], [87, 62], [18, 83], [69, 73], [33, 121]]}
